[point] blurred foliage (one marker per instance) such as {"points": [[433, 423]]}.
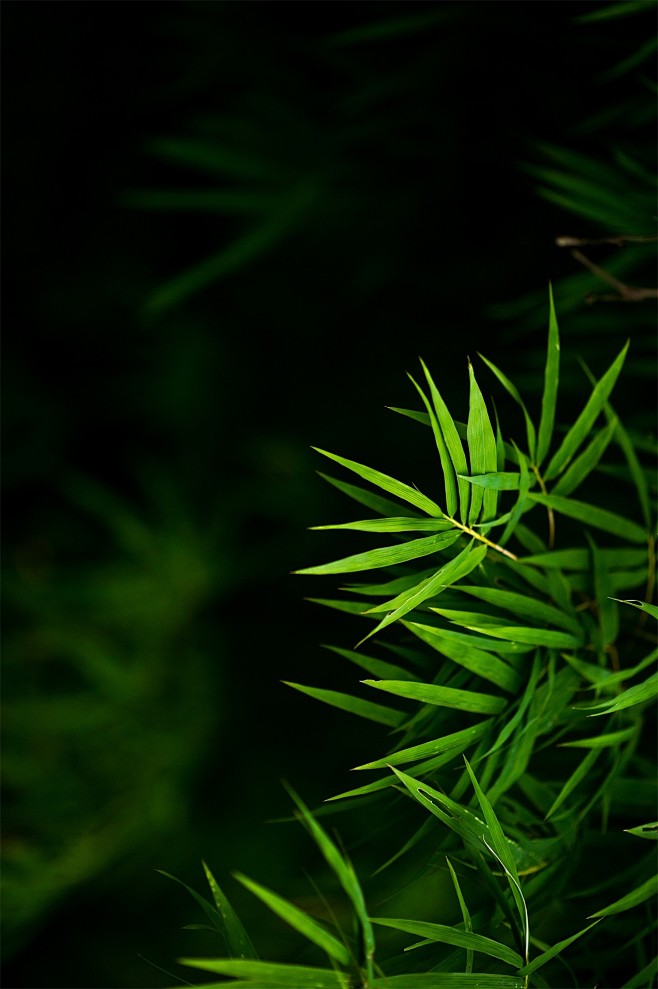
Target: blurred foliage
{"points": [[218, 220]]}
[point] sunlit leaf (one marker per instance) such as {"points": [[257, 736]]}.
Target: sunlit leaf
{"points": [[389, 484], [385, 556], [551, 378], [514, 392], [452, 935], [598, 518], [482, 452], [270, 975], [353, 705], [368, 498], [649, 609], [556, 949], [456, 742], [428, 693], [452, 442], [649, 831], [647, 890], [299, 920], [584, 464], [583, 424]]}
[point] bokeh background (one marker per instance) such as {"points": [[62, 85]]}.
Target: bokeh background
{"points": [[231, 230]]}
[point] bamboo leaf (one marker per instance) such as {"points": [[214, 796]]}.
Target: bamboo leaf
{"points": [[456, 742], [579, 559], [551, 378], [525, 482], [647, 890], [450, 980], [298, 919], [649, 609], [574, 780], [271, 975], [608, 611], [378, 667], [609, 740], [353, 705], [468, 924], [482, 452], [449, 479], [583, 424], [523, 606], [452, 442], [460, 566], [470, 657], [385, 556], [649, 831], [556, 949], [368, 498], [640, 693], [498, 481], [452, 935], [598, 518], [586, 462], [428, 693], [514, 392], [386, 483], [392, 525]]}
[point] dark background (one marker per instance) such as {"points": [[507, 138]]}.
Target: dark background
{"points": [[159, 482]]}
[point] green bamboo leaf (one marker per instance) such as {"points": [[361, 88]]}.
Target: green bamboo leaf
{"points": [[498, 481], [482, 452], [551, 378], [583, 465], [385, 556], [476, 660], [457, 818], [456, 742], [428, 693], [392, 525], [510, 650], [578, 775], [640, 693], [421, 417], [516, 633], [450, 980], [514, 392], [583, 424], [503, 852], [411, 579], [449, 478], [423, 768], [351, 607], [523, 606], [525, 482], [649, 609], [298, 919], [579, 559], [608, 611], [378, 504], [647, 890], [649, 831], [353, 705], [271, 975], [452, 935], [378, 667], [646, 976], [222, 916], [468, 923], [635, 470], [346, 876], [457, 568], [546, 956], [389, 484], [452, 442], [604, 678], [610, 740], [598, 518]]}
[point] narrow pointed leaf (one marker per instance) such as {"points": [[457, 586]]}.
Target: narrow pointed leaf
{"points": [[452, 442], [454, 570], [392, 525], [471, 658], [450, 980], [456, 741], [647, 890], [649, 609], [299, 920], [353, 705], [649, 831], [378, 667], [452, 935], [578, 775], [551, 378], [583, 465], [271, 975], [514, 392], [496, 481], [556, 949], [640, 693], [583, 424], [608, 740], [468, 924], [598, 518], [389, 484], [368, 498], [482, 452], [449, 478], [385, 556], [525, 482], [523, 606], [427, 693]]}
